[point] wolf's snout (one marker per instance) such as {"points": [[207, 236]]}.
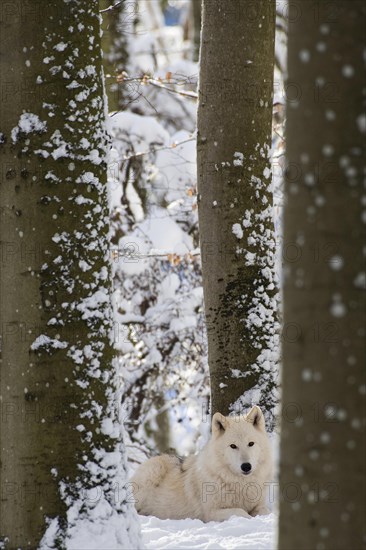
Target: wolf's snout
{"points": [[246, 467]]}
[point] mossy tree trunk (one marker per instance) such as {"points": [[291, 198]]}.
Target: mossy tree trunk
{"points": [[322, 464], [59, 426], [235, 201]]}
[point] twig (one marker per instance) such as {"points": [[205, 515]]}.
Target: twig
{"points": [[158, 84], [116, 253], [163, 148], [111, 8], [279, 135]]}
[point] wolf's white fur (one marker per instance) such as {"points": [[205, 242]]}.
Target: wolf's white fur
{"points": [[210, 486]]}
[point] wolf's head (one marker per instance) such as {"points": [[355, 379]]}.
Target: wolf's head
{"points": [[241, 442]]}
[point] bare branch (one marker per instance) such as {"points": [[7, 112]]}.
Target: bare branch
{"points": [[158, 83], [163, 148], [279, 135], [173, 258], [111, 7]]}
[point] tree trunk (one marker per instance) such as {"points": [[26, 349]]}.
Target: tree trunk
{"points": [[322, 466], [60, 435], [197, 20], [235, 200], [116, 24]]}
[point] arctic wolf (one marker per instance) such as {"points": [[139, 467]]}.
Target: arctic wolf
{"points": [[226, 478]]}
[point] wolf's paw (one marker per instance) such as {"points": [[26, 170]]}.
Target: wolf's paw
{"points": [[226, 513], [260, 511]]}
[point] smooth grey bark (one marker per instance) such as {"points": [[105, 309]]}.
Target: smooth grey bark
{"points": [[58, 385], [322, 464], [235, 201]]}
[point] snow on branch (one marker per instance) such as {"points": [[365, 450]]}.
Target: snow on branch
{"points": [[173, 258], [158, 83]]}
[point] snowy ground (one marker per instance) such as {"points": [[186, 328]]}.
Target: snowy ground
{"points": [[235, 534]]}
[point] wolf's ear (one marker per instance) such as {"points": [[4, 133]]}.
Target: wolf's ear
{"points": [[218, 424], [255, 416]]}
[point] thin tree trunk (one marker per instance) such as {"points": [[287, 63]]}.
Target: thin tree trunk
{"points": [[59, 427], [116, 24], [235, 200], [197, 20], [322, 465]]}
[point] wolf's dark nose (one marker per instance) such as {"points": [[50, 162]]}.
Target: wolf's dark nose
{"points": [[246, 467]]}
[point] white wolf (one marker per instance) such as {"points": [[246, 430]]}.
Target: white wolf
{"points": [[226, 478]]}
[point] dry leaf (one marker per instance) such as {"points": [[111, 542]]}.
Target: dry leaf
{"points": [[174, 259]]}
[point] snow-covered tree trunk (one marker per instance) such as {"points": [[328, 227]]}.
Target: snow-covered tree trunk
{"points": [[322, 465], [62, 457], [235, 200]]}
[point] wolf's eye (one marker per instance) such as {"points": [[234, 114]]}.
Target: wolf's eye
{"points": [[233, 446], [251, 443]]}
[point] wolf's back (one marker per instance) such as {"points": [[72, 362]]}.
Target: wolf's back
{"points": [[150, 475]]}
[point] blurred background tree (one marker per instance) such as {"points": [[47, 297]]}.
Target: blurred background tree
{"points": [[322, 466]]}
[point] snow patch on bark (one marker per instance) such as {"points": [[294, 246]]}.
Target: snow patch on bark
{"points": [[261, 303], [29, 123]]}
